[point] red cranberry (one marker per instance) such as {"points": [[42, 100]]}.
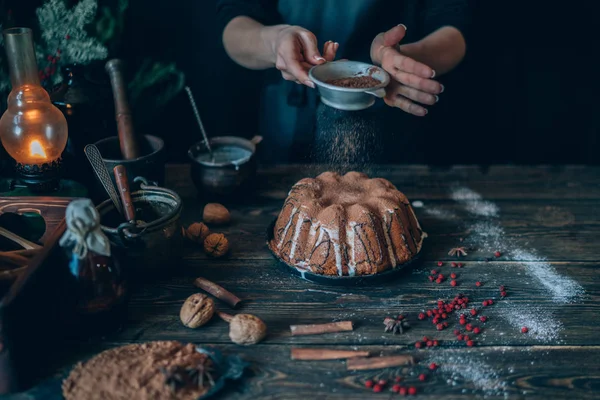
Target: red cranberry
{"points": [[502, 294], [429, 343], [398, 379], [524, 329], [453, 264], [382, 382], [396, 388], [440, 263], [485, 303], [438, 281], [476, 330], [444, 316], [473, 312], [460, 265], [403, 391], [439, 327], [453, 283], [436, 343], [429, 313], [469, 327], [477, 283], [441, 276], [483, 318], [462, 321], [412, 390], [470, 343], [421, 316], [456, 332], [502, 288], [433, 366], [418, 345], [422, 377], [377, 388], [369, 384], [431, 278], [466, 338], [453, 275], [460, 337], [497, 254]]}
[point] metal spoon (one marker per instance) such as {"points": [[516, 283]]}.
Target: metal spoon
{"points": [[193, 103]]}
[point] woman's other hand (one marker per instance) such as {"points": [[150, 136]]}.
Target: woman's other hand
{"points": [[411, 85], [295, 51]]}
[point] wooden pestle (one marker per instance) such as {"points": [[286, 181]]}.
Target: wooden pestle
{"points": [[130, 146]]}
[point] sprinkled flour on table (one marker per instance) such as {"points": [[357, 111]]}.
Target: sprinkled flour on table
{"points": [[487, 235], [470, 370], [474, 203]]}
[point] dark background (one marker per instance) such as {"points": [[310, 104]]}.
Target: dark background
{"points": [[527, 93]]}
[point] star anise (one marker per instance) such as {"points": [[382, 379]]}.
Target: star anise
{"points": [[395, 325], [179, 376], [458, 251]]}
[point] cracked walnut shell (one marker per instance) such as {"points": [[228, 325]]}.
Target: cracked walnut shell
{"points": [[197, 310], [216, 245], [197, 232]]}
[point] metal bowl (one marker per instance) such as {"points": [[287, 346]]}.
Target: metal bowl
{"points": [[348, 99]]}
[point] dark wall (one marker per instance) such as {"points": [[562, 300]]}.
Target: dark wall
{"points": [[528, 91]]}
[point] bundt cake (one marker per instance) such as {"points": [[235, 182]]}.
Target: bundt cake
{"points": [[346, 225]]}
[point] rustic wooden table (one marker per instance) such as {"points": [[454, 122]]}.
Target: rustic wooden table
{"points": [[544, 220]]}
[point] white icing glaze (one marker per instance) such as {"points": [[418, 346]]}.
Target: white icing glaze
{"points": [[388, 240], [299, 224], [350, 241], [287, 227]]}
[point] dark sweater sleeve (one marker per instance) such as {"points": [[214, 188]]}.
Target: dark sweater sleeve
{"points": [[263, 11], [440, 13]]}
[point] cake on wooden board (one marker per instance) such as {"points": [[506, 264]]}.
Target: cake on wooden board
{"points": [[346, 225]]}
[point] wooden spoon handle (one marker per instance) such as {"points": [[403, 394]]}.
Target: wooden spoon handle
{"points": [[124, 192]]}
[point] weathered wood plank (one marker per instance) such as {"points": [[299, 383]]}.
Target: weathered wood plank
{"points": [[559, 231], [494, 372], [283, 300], [427, 183]]}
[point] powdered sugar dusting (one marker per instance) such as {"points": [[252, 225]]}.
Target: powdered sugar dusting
{"points": [[470, 371], [543, 329], [474, 203], [440, 213], [487, 235]]}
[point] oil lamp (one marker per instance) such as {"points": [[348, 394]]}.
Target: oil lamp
{"points": [[32, 130]]}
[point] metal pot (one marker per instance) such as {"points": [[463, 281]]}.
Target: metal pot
{"points": [[223, 178], [150, 166], [157, 245], [348, 99]]}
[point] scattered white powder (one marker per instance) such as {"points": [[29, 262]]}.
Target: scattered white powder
{"points": [[441, 214], [539, 320], [417, 204], [474, 203], [488, 236], [470, 371]]}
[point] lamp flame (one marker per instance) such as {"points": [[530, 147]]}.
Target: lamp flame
{"points": [[36, 149]]}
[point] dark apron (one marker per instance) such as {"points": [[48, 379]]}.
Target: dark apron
{"points": [[299, 128]]}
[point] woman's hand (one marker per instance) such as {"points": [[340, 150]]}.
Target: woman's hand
{"points": [[412, 83], [295, 51]]}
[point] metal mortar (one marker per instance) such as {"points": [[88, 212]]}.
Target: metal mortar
{"points": [[155, 246]]}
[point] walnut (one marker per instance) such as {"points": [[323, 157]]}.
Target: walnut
{"points": [[215, 213], [197, 232], [216, 245], [245, 329], [197, 310]]}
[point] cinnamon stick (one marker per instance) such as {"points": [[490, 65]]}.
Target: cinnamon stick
{"points": [[318, 329], [357, 364], [325, 354], [217, 291]]}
